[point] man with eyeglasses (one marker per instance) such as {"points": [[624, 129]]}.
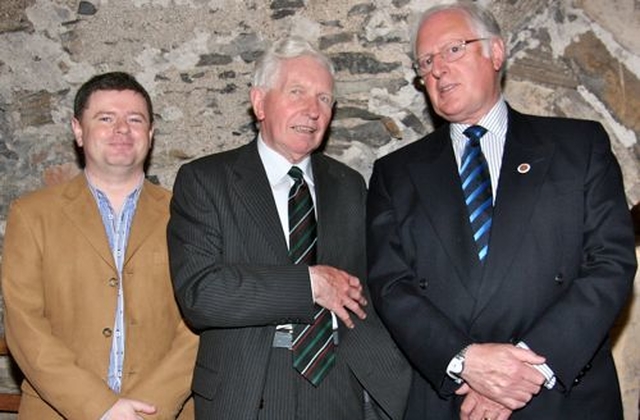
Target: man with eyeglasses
{"points": [[500, 246]]}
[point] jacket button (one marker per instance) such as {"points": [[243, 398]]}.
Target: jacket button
{"points": [[107, 332], [559, 278], [113, 282], [423, 284]]}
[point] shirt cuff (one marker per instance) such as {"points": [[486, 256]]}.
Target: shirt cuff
{"points": [[313, 292], [461, 354], [544, 369]]}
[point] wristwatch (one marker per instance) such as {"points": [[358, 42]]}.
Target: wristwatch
{"points": [[456, 365]]}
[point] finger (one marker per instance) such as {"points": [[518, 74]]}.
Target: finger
{"points": [[354, 307], [354, 282], [463, 390], [477, 413], [467, 406], [142, 407], [343, 315], [533, 376], [513, 404], [357, 296], [503, 415], [528, 388], [528, 356]]}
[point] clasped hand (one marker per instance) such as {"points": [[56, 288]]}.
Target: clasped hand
{"points": [[499, 378], [338, 291], [127, 409]]}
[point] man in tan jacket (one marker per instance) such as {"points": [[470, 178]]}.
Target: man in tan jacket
{"points": [[90, 315]]}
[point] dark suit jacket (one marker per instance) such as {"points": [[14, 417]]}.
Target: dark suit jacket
{"points": [[234, 280], [560, 266]]}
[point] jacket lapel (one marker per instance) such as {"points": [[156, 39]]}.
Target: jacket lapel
{"points": [[83, 213], [254, 192], [436, 180], [150, 211], [517, 194], [328, 213]]}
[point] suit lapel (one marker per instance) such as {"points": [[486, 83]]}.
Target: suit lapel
{"points": [[150, 211], [437, 183], [517, 194], [328, 213], [252, 187], [83, 213]]}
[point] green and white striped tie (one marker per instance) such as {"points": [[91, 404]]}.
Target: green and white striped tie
{"points": [[313, 344]]}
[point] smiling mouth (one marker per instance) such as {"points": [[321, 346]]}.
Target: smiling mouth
{"points": [[446, 88], [121, 145], [304, 129]]}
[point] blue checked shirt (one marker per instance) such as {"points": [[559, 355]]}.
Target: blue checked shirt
{"points": [[117, 227]]}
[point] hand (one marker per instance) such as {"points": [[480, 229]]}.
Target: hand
{"points": [[126, 409], [503, 373], [338, 291], [478, 407]]}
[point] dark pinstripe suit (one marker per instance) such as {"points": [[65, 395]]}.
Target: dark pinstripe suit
{"points": [[234, 282]]}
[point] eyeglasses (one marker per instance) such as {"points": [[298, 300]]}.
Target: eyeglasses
{"points": [[450, 52]]}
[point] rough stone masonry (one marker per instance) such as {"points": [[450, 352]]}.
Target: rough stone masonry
{"points": [[577, 58]]}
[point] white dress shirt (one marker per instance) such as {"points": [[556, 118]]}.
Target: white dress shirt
{"points": [[277, 168]]}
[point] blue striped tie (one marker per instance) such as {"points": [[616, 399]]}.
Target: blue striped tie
{"points": [[476, 185], [313, 345]]}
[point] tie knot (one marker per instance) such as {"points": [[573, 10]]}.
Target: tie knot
{"points": [[296, 173], [475, 132]]}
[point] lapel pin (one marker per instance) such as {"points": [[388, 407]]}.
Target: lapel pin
{"points": [[523, 168]]}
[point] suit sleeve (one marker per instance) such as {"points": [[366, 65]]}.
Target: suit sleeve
{"points": [[422, 331], [47, 363], [214, 288], [572, 330]]}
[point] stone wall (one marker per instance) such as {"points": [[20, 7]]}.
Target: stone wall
{"points": [[577, 58]]}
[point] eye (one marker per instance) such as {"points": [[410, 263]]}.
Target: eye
{"points": [[136, 119], [326, 99], [105, 118], [455, 49]]}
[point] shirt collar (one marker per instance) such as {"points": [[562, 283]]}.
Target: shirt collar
{"points": [[276, 166], [99, 194], [494, 121]]}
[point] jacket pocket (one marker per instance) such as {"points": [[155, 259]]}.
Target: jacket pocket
{"points": [[205, 382]]}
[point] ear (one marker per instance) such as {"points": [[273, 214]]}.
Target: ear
{"points": [[497, 53], [257, 102], [151, 131], [77, 131]]}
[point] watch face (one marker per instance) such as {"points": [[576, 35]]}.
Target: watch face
{"points": [[457, 366]]}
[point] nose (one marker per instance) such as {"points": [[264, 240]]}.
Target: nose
{"points": [[313, 108], [122, 125], [438, 67]]}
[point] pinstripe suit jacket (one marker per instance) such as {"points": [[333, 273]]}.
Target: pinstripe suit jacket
{"points": [[234, 280]]}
